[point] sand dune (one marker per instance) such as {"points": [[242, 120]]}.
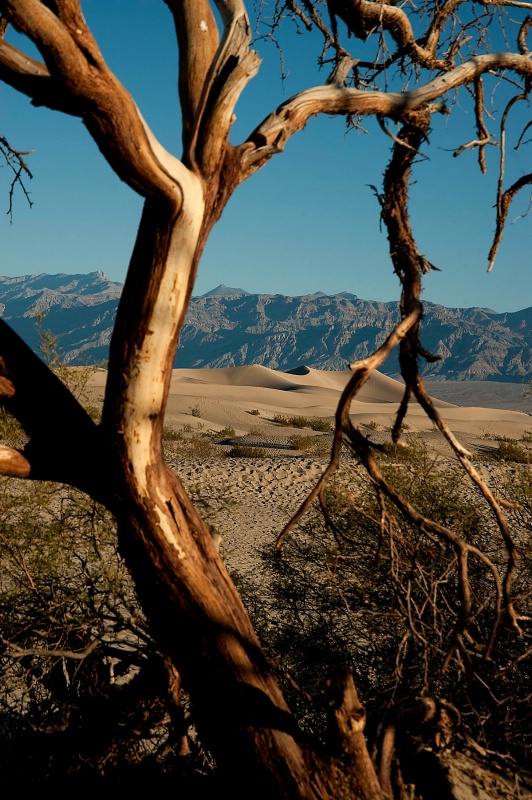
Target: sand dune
{"points": [[378, 389], [226, 397]]}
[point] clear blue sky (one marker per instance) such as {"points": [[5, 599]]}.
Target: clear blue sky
{"points": [[308, 221]]}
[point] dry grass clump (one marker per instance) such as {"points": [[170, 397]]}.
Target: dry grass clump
{"points": [[246, 451], [314, 423], [171, 435], [508, 450], [226, 433], [311, 445]]}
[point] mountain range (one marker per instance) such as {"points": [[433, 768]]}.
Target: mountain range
{"points": [[230, 327]]}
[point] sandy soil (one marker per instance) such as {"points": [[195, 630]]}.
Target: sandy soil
{"points": [[250, 500]]}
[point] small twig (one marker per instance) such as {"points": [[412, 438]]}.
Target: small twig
{"points": [[400, 142], [15, 161]]}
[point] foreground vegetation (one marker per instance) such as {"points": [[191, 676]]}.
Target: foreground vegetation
{"points": [[367, 590]]}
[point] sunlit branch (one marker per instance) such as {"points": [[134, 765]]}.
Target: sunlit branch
{"points": [[270, 137]]}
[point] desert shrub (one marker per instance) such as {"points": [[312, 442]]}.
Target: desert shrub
{"points": [[198, 447], [226, 433], [373, 426], [76, 379], [254, 432], [320, 424], [187, 428], [255, 412], [11, 430], [372, 591], [195, 411], [75, 646], [299, 422], [509, 450], [301, 442], [527, 436], [171, 435], [315, 424], [246, 451], [311, 445]]}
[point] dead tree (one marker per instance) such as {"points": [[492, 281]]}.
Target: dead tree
{"points": [[194, 610]]}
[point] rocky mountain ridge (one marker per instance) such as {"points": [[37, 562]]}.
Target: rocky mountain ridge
{"points": [[231, 327]]}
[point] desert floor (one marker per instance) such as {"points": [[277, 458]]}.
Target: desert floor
{"points": [[249, 500]]}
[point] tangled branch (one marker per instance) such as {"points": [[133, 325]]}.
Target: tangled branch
{"points": [[410, 266], [15, 161]]}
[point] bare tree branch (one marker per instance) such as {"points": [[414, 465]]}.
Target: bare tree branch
{"points": [[270, 137], [504, 199], [88, 89], [361, 372], [64, 442], [75, 655], [198, 40], [16, 162]]}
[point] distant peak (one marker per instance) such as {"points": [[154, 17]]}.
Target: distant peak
{"points": [[224, 290]]}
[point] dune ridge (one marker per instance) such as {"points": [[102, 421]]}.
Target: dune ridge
{"points": [[225, 397]]}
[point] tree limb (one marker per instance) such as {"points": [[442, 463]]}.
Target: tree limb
{"points": [[271, 135], [65, 444], [85, 87], [198, 40], [233, 68], [361, 372]]}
